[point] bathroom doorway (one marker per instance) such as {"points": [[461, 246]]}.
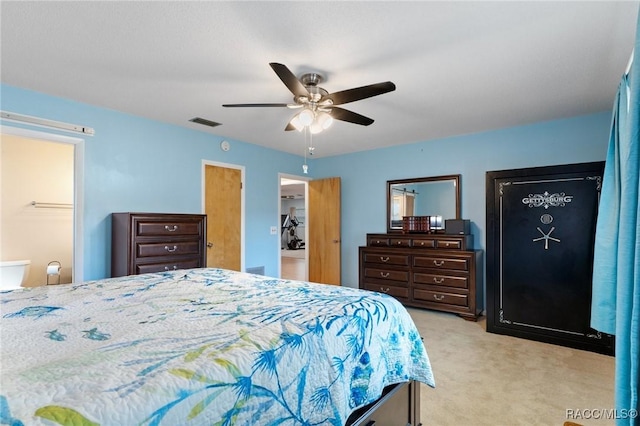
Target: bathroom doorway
{"points": [[293, 230], [41, 205]]}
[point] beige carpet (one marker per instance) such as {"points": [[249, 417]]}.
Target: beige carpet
{"points": [[488, 379]]}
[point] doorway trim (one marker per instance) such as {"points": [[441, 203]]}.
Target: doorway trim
{"points": [[242, 192], [77, 274], [306, 180]]}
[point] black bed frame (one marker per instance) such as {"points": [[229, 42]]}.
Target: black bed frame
{"points": [[397, 401]]}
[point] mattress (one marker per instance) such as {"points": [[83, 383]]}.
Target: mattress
{"points": [[201, 346]]}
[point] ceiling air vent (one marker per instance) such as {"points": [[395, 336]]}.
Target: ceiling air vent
{"points": [[205, 122]]}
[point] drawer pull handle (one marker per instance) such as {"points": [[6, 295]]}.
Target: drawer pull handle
{"points": [[384, 290], [384, 259], [171, 250], [399, 243], [421, 243], [384, 274], [172, 228], [175, 267], [438, 281], [437, 297], [377, 241], [435, 262]]}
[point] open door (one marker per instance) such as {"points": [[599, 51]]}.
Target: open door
{"points": [[223, 207], [323, 219]]}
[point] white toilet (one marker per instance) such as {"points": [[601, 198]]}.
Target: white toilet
{"points": [[13, 273]]}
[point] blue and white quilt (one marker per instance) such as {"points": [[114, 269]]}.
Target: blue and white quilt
{"points": [[200, 346]]}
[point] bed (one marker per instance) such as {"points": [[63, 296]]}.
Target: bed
{"points": [[203, 346]]}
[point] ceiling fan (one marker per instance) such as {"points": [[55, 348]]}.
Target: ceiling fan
{"points": [[319, 106]]}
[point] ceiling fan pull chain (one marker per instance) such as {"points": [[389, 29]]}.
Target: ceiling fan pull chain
{"points": [[305, 168]]}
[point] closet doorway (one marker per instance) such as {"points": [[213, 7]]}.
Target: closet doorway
{"points": [[293, 229], [223, 203]]}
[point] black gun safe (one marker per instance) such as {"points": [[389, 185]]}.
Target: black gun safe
{"points": [[540, 236]]}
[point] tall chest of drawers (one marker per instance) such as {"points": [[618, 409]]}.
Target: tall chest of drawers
{"points": [[433, 271], [156, 242]]}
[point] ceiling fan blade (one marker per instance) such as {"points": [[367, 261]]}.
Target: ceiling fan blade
{"points": [[350, 95], [289, 80], [253, 105], [350, 116]]}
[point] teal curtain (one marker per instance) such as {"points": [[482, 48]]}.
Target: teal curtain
{"points": [[615, 307]]}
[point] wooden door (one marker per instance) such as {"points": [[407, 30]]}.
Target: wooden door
{"points": [[223, 188], [323, 220]]}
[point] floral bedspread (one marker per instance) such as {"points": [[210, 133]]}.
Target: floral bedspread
{"points": [[200, 346]]}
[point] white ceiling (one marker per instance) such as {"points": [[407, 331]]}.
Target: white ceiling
{"points": [[459, 67]]}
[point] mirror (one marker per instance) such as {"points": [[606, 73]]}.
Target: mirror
{"points": [[436, 196]]}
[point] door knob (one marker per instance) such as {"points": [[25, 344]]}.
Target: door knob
{"points": [[209, 244]]}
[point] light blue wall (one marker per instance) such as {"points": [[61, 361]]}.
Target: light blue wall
{"points": [[136, 164], [364, 174]]}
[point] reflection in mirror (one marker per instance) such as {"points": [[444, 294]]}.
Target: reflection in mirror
{"points": [[438, 197]]}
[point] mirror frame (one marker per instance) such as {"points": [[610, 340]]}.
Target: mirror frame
{"points": [[455, 178]]}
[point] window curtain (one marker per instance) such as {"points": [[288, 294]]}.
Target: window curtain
{"points": [[615, 305]]}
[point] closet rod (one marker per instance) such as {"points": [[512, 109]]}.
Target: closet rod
{"points": [[43, 122], [41, 205]]}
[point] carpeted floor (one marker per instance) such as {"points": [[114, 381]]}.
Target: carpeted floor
{"points": [[488, 379]]}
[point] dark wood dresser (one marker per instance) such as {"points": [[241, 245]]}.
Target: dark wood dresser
{"points": [[155, 242], [433, 271]]}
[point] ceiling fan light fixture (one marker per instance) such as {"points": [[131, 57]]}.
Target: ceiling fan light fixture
{"points": [[324, 120], [295, 122], [306, 117], [315, 128]]}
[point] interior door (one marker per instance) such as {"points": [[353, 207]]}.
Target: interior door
{"points": [[323, 220], [223, 207]]}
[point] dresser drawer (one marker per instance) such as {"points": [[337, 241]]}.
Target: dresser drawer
{"points": [[387, 259], [168, 248], [423, 243], [449, 244], [168, 266], [441, 280], [440, 297], [399, 242], [378, 242], [457, 264], [385, 274], [173, 228], [391, 290]]}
